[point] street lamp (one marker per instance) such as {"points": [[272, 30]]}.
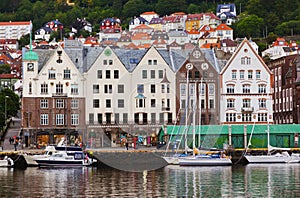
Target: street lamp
{"points": [[298, 114], [5, 105]]}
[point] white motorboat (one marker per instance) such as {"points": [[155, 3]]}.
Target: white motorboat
{"points": [[30, 159], [65, 159], [49, 150]]}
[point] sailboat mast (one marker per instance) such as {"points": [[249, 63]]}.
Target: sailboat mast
{"points": [[194, 119], [188, 66], [200, 113], [268, 135]]}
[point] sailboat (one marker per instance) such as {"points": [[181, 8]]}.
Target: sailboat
{"points": [[283, 157], [196, 159]]}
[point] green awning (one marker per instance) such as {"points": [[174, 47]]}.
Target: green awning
{"points": [[235, 129], [203, 130]]}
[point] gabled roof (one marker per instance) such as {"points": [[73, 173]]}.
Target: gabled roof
{"points": [[193, 31], [280, 42], [223, 27], [228, 42], [172, 19], [159, 42], [131, 46], [157, 21], [210, 45], [141, 36], [188, 46], [144, 46], [178, 14], [141, 19], [149, 13], [124, 38], [207, 28], [142, 27], [240, 47], [46, 29], [130, 58], [194, 17]]}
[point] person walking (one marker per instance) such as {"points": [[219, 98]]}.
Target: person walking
{"points": [[126, 144], [16, 142]]}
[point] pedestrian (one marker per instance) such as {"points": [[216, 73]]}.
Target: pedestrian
{"points": [[126, 144], [16, 144], [10, 140]]}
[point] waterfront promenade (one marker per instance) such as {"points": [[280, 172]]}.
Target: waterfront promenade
{"points": [[14, 128]]}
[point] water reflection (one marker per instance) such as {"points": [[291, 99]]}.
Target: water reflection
{"points": [[271, 180], [198, 181]]}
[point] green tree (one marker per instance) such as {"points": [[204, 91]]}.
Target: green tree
{"points": [[24, 40], [133, 8], [166, 7], [24, 12], [9, 101], [288, 28], [193, 8], [271, 37], [117, 7], [5, 69], [249, 26]]}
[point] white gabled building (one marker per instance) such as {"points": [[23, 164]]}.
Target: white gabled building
{"points": [[53, 102], [153, 94], [130, 92], [246, 84], [108, 85]]}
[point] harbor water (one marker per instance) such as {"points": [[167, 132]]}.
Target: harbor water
{"points": [[270, 180]]}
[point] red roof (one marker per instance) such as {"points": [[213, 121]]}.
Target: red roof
{"points": [[193, 31], [280, 42], [223, 27], [207, 28], [142, 27], [178, 14], [8, 76], [14, 23], [149, 13], [209, 45]]}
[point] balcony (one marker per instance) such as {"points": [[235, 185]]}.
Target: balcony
{"points": [[247, 109], [165, 108]]}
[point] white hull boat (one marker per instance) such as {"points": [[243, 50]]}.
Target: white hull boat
{"points": [[276, 158], [204, 161], [50, 150], [65, 159]]}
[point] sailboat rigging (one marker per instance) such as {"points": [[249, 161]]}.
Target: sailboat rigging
{"points": [[197, 159]]}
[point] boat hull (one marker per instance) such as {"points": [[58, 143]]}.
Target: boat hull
{"points": [[171, 160], [202, 161], [60, 163], [271, 159]]}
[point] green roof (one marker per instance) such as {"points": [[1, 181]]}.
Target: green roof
{"points": [[30, 55], [204, 129], [235, 129]]}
